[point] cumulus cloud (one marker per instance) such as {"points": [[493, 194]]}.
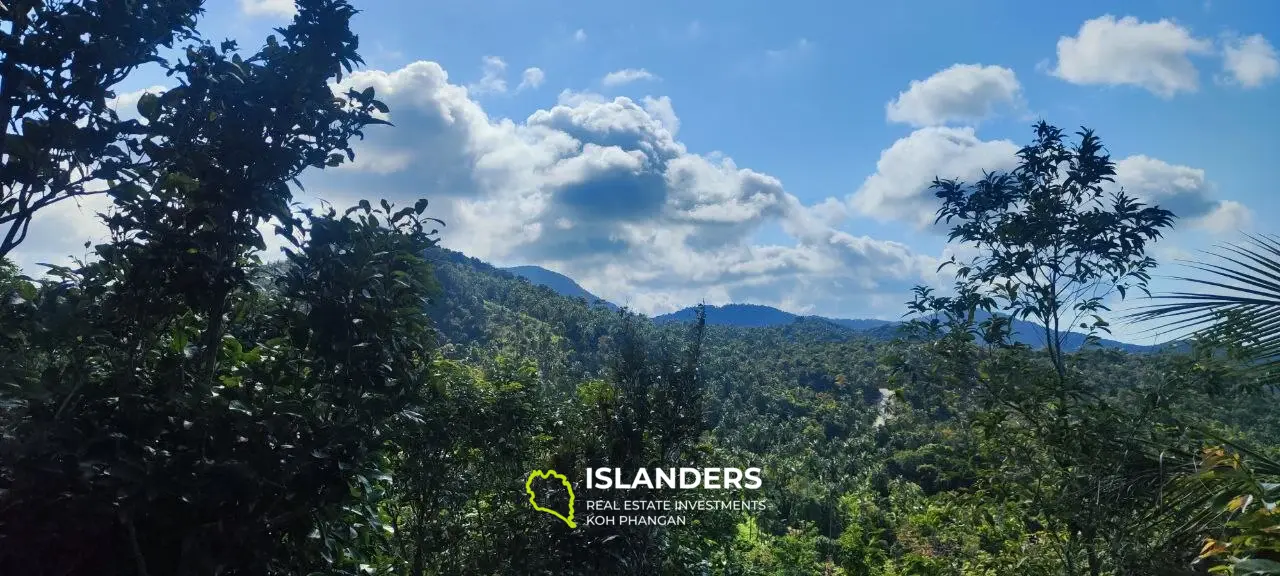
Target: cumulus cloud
{"points": [[494, 78], [273, 8], [1250, 62], [627, 76], [1155, 56], [58, 232], [600, 189], [580, 35], [531, 78], [1227, 217], [661, 109], [962, 93], [898, 190], [1184, 190]]}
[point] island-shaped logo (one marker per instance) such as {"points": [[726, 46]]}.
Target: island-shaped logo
{"points": [[533, 496]]}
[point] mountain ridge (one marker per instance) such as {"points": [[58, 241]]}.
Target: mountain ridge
{"points": [[758, 315], [561, 284]]}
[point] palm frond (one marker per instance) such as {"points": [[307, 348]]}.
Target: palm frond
{"points": [[1223, 496], [1237, 305]]}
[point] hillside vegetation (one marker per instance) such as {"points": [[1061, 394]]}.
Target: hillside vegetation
{"points": [[373, 403]]}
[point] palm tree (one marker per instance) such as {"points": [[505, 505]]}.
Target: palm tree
{"points": [[1229, 497]]}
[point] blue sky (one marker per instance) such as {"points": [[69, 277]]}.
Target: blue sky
{"points": [[667, 153]]}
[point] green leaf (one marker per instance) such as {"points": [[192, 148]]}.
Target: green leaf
{"points": [[1256, 567]]}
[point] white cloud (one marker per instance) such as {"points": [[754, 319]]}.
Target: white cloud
{"points": [[1184, 190], [379, 161], [531, 78], [58, 232], [962, 93], [494, 78], [899, 188], [1152, 55], [274, 8], [1250, 61], [580, 35], [662, 110], [1228, 217], [600, 189], [626, 76]]}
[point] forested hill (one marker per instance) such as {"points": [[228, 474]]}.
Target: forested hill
{"points": [[805, 401], [562, 284], [759, 315], [756, 315], [478, 304], [373, 404]]}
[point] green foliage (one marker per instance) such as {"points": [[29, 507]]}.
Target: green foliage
{"points": [[1051, 244], [373, 403], [1226, 495], [1241, 314], [142, 433], [58, 64]]}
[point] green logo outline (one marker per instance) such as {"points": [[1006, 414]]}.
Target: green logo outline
{"points": [[546, 474]]}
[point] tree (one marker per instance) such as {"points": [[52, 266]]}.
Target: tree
{"points": [[141, 433], [58, 64], [1053, 244]]}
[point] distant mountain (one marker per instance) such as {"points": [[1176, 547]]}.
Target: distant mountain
{"points": [[745, 315], [754, 315], [561, 284], [1032, 334], [861, 325]]}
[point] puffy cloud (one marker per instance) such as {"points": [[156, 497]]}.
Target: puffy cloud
{"points": [[1228, 217], [1183, 190], [494, 78], [600, 189], [580, 35], [531, 78], [661, 109], [627, 76], [1152, 55], [899, 188], [274, 8], [59, 232], [961, 93], [1251, 61]]}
